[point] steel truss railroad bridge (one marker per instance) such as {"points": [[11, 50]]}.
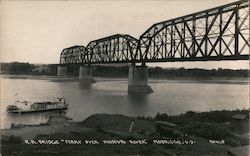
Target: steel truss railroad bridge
{"points": [[220, 33]]}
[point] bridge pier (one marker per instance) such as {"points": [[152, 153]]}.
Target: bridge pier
{"points": [[85, 74], [61, 71], [138, 80]]}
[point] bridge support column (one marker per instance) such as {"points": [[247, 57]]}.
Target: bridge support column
{"points": [[61, 71], [138, 80], [85, 74]]}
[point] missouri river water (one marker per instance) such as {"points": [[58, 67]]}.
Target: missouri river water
{"points": [[110, 96]]}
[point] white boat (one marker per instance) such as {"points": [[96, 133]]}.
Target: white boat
{"points": [[59, 104]]}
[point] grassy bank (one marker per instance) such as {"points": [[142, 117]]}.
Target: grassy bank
{"points": [[209, 125]]}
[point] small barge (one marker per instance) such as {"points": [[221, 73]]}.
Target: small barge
{"points": [[59, 104]]}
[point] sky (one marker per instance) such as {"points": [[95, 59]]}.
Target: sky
{"points": [[37, 31]]}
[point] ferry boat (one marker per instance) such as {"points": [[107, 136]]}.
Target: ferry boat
{"points": [[59, 104]]}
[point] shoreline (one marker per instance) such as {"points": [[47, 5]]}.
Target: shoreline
{"points": [[110, 127], [57, 119], [163, 135]]}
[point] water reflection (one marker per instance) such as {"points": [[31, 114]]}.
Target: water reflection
{"points": [[32, 118], [138, 99], [138, 104], [85, 85]]}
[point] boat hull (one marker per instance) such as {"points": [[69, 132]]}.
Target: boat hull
{"points": [[34, 111]]}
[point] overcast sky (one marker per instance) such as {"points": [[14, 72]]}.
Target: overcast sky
{"points": [[37, 31]]}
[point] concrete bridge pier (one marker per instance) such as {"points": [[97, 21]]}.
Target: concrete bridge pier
{"points": [[61, 71], [86, 74], [138, 80]]}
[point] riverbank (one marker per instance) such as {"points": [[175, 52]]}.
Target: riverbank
{"points": [[104, 134]]}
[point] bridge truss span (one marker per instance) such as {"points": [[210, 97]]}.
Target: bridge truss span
{"points": [[221, 33], [116, 48], [74, 55]]}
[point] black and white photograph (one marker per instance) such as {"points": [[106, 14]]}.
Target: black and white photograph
{"points": [[124, 78]]}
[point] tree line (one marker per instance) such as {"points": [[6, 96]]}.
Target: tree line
{"points": [[121, 71]]}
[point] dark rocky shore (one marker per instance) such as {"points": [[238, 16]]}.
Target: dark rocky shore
{"points": [[207, 133]]}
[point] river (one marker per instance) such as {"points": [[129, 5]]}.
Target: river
{"points": [[109, 95]]}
